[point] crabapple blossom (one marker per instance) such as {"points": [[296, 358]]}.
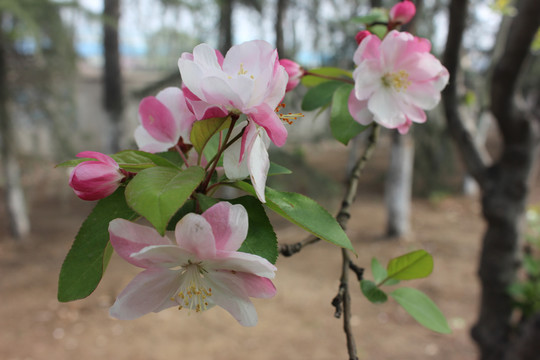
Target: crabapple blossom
{"points": [[395, 81], [294, 71], [164, 119], [361, 35], [248, 80], [94, 180], [402, 12], [253, 161], [202, 268]]}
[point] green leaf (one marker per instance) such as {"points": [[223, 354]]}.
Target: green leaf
{"points": [[304, 212], [88, 257], [74, 162], [379, 30], [310, 80], [414, 265], [157, 193], [261, 239], [376, 15], [276, 169], [203, 131], [342, 124], [378, 271], [320, 95], [135, 160], [422, 309], [372, 292]]}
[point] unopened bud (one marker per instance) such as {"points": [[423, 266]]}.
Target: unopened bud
{"points": [[402, 12]]}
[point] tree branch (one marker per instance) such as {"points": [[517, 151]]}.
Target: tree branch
{"points": [[471, 155], [343, 215]]}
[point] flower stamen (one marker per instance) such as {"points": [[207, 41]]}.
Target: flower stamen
{"points": [[397, 80], [288, 118], [193, 293]]}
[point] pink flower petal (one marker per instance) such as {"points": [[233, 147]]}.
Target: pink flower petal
{"points": [[231, 296], [229, 225], [266, 117], [359, 111], [147, 292], [148, 143], [256, 286], [128, 238], [158, 120], [239, 261], [194, 234], [98, 156], [173, 98]]}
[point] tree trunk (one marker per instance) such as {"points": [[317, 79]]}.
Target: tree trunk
{"points": [[399, 185], [504, 185], [225, 25], [14, 197], [112, 74], [281, 7]]}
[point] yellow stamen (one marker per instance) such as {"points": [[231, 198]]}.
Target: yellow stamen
{"points": [[397, 80], [288, 118]]}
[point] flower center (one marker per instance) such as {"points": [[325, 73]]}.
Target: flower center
{"points": [[288, 118], [193, 293], [398, 80]]}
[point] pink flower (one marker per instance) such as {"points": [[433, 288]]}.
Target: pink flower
{"points": [[402, 12], [295, 72], [395, 81], [201, 269], [253, 161], [248, 80], [94, 180], [164, 120]]}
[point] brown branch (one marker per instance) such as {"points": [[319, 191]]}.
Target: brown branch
{"points": [[471, 155], [343, 215]]}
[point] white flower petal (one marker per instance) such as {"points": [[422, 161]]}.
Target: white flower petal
{"points": [[194, 234], [258, 165], [163, 256], [147, 292], [239, 261], [229, 224]]}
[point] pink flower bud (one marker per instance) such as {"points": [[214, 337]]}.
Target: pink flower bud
{"points": [[361, 36], [294, 71], [402, 12], [94, 180]]}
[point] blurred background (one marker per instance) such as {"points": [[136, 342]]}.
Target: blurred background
{"points": [[71, 76]]}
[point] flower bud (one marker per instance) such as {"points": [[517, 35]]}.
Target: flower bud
{"points": [[94, 180], [402, 12], [294, 71], [361, 36]]}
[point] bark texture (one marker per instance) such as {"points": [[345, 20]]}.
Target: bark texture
{"points": [[225, 25], [113, 100], [504, 184], [14, 197], [281, 7]]}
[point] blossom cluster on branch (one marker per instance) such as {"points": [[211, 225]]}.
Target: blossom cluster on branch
{"points": [[215, 131]]}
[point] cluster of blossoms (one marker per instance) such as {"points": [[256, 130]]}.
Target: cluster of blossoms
{"points": [[396, 79]]}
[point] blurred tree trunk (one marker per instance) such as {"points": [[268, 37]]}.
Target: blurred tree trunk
{"points": [[398, 187], [14, 196], [504, 184], [225, 25], [399, 178], [112, 75], [281, 7]]}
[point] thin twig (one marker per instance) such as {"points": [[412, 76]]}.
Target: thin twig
{"points": [[343, 215]]}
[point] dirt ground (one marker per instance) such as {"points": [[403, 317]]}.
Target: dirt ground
{"points": [[297, 324]]}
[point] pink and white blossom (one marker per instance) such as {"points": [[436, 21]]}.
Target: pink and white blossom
{"points": [[402, 12], [249, 158], [295, 72], [395, 81], [248, 80], [97, 179], [164, 119], [202, 268]]}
